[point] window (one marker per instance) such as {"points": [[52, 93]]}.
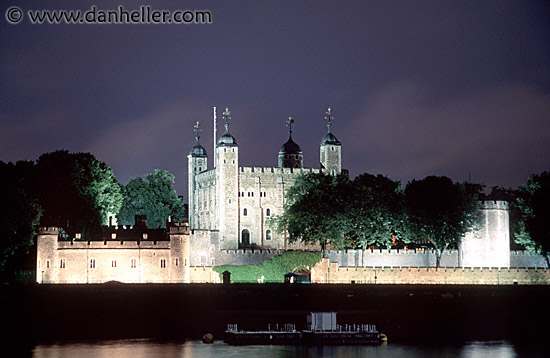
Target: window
{"points": [[47, 263], [245, 212], [62, 263], [92, 263], [177, 262], [268, 235], [267, 212], [203, 259], [162, 263], [133, 263], [113, 263]]}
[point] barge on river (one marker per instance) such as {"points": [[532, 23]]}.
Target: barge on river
{"points": [[323, 330]]}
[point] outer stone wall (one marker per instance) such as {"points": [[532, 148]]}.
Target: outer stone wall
{"points": [[325, 272]]}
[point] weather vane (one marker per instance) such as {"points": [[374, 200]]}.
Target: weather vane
{"points": [[226, 117], [329, 118], [289, 123], [197, 129]]}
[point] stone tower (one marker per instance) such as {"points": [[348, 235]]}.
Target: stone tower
{"points": [[290, 154], [490, 245], [227, 182], [47, 265], [331, 149], [197, 162], [180, 253]]}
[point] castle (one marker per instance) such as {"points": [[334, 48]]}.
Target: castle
{"points": [[229, 205], [228, 211]]}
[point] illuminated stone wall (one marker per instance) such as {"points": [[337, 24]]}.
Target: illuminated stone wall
{"points": [[325, 272], [132, 261]]}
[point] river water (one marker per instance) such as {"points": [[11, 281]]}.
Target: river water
{"points": [[148, 348]]}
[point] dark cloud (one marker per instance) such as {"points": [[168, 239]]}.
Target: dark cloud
{"points": [[499, 136]]}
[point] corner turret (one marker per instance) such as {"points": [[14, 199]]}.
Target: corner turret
{"points": [[331, 149], [197, 162]]}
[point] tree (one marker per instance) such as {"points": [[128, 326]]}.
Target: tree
{"points": [[375, 211], [153, 196], [441, 211], [314, 211], [76, 191], [533, 202], [19, 214]]}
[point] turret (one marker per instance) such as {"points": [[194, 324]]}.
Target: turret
{"points": [[331, 149], [290, 154], [489, 246], [227, 179], [47, 265], [197, 162]]}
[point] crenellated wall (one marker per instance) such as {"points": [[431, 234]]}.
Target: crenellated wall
{"points": [[331, 272], [135, 261]]}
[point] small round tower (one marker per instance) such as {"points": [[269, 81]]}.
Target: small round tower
{"points": [[290, 154], [490, 245]]}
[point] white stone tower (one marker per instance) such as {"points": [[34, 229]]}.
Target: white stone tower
{"points": [[227, 182], [490, 245], [331, 150], [197, 162]]}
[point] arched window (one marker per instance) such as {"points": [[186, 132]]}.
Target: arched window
{"points": [[245, 212], [267, 212], [268, 235]]}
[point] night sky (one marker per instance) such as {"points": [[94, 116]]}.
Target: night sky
{"points": [[455, 88]]}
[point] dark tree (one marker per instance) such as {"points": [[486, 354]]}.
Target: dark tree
{"points": [[19, 214], [315, 210], [153, 196], [533, 201], [440, 211], [76, 191], [375, 211]]}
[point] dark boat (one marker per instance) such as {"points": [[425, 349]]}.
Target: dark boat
{"points": [[286, 336], [323, 330]]}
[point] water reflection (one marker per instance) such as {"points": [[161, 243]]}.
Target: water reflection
{"points": [[148, 348]]}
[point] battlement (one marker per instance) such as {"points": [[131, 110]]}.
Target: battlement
{"points": [[251, 252], [271, 170], [179, 228], [48, 231], [494, 205], [112, 245]]}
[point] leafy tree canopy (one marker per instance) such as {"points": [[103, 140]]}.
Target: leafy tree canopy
{"points": [[328, 209], [153, 196], [314, 210], [440, 211], [533, 202], [375, 211], [76, 191]]}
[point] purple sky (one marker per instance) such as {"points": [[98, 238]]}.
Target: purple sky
{"points": [[418, 87]]}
